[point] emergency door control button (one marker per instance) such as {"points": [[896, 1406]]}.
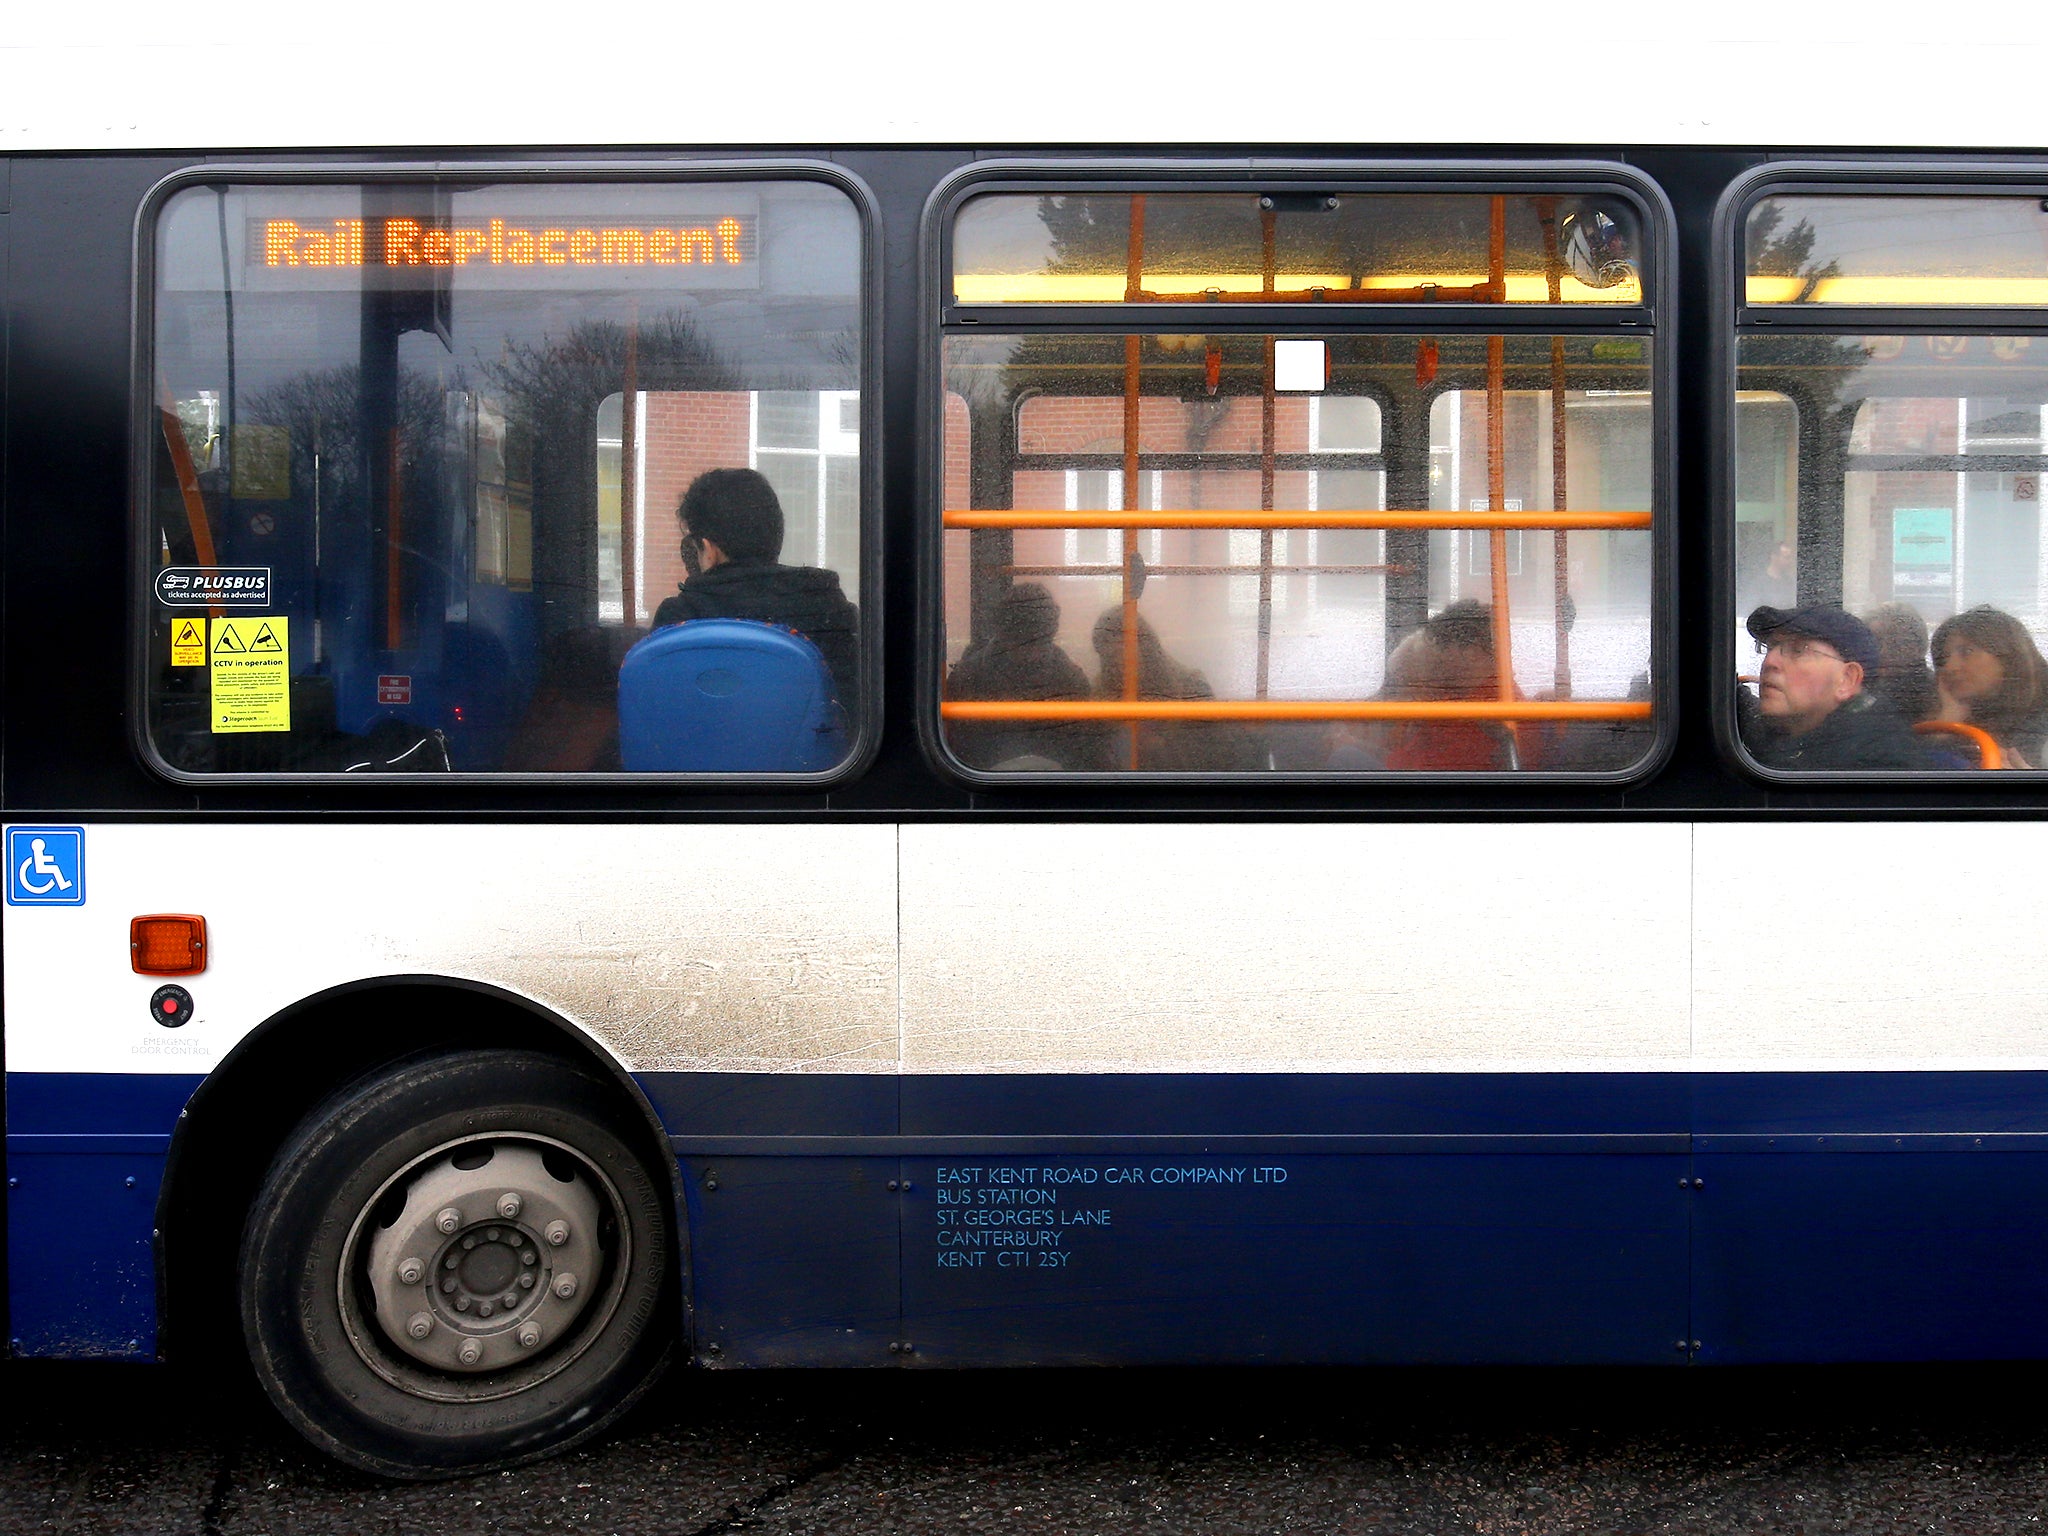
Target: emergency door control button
{"points": [[170, 1006]]}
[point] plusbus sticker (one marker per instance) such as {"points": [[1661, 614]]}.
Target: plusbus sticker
{"points": [[46, 866], [206, 586]]}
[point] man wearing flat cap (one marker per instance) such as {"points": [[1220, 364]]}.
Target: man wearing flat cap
{"points": [[1812, 712]]}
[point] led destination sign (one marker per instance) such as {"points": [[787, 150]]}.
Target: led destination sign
{"points": [[727, 242]]}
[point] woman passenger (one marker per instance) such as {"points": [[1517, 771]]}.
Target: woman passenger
{"points": [[1989, 673]]}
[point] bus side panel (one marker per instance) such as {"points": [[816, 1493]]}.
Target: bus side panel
{"points": [[1871, 1216], [1296, 1216], [1512, 1258], [1813, 1256], [793, 1260], [85, 1162]]}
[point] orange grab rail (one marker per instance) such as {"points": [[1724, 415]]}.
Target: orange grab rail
{"points": [[1989, 754], [1292, 709], [1416, 293], [1254, 519]]}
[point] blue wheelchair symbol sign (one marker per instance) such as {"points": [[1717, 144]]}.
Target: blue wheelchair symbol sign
{"points": [[46, 866]]}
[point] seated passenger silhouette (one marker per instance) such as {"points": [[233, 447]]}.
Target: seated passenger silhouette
{"points": [[1989, 673], [1450, 658], [1020, 660], [1811, 710], [1170, 746], [732, 539], [1903, 679]]}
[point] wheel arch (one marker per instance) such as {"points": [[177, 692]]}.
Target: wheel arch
{"points": [[238, 1117]]}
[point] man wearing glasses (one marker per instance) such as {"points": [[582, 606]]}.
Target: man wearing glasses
{"points": [[1811, 711]]}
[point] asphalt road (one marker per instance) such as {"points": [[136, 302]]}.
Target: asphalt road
{"points": [[1867, 1451]]}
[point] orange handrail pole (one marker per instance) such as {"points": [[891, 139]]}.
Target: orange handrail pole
{"points": [[1134, 280], [394, 575], [629, 489], [1184, 517], [1989, 753], [196, 522], [1560, 563], [1439, 710], [1262, 673], [1496, 454]]}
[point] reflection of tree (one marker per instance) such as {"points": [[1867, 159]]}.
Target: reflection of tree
{"points": [[561, 380], [553, 388], [322, 410], [1769, 253]]}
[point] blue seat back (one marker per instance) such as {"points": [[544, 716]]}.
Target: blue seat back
{"points": [[728, 696]]}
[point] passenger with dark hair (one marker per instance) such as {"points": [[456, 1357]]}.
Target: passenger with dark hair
{"points": [[1903, 679], [1449, 659], [1171, 746], [1989, 673], [1019, 659], [732, 541], [1811, 710]]}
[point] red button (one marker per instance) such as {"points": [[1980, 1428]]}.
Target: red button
{"points": [[170, 1005]]}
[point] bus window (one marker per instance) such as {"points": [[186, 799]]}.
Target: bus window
{"points": [[1357, 248], [1820, 249], [417, 457], [1891, 588], [1204, 528]]}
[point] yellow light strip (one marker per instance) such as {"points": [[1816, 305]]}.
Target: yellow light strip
{"points": [[1108, 287], [1908, 292]]}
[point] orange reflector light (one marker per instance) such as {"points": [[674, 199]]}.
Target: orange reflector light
{"points": [[167, 944]]}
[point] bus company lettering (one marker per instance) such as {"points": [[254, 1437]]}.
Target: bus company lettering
{"points": [[495, 243], [1019, 1214]]}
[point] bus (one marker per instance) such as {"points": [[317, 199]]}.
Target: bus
{"points": [[753, 735]]}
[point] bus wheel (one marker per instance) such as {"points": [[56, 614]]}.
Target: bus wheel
{"points": [[457, 1265]]}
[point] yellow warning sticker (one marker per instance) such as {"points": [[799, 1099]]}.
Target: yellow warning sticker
{"points": [[188, 643], [250, 665]]}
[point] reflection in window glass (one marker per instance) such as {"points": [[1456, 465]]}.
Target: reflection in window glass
{"points": [[1107, 248], [1912, 511], [1374, 592], [1916, 251], [451, 429]]}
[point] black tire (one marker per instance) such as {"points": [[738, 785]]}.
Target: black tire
{"points": [[318, 1319]]}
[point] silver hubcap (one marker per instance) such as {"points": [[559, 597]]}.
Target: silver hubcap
{"points": [[488, 1265]]}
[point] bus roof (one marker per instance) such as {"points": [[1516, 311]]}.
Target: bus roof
{"points": [[242, 76]]}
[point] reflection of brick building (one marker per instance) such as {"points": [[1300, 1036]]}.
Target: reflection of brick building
{"points": [[681, 437], [805, 442]]}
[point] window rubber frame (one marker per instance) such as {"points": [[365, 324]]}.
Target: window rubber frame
{"points": [[458, 173], [1656, 319], [1732, 319]]}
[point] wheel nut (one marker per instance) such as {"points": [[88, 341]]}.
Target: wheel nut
{"points": [[410, 1271], [462, 1303], [419, 1325], [484, 1309], [557, 1233], [529, 1336], [565, 1286], [509, 1300], [526, 1281], [469, 1354], [508, 1205], [448, 1220]]}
